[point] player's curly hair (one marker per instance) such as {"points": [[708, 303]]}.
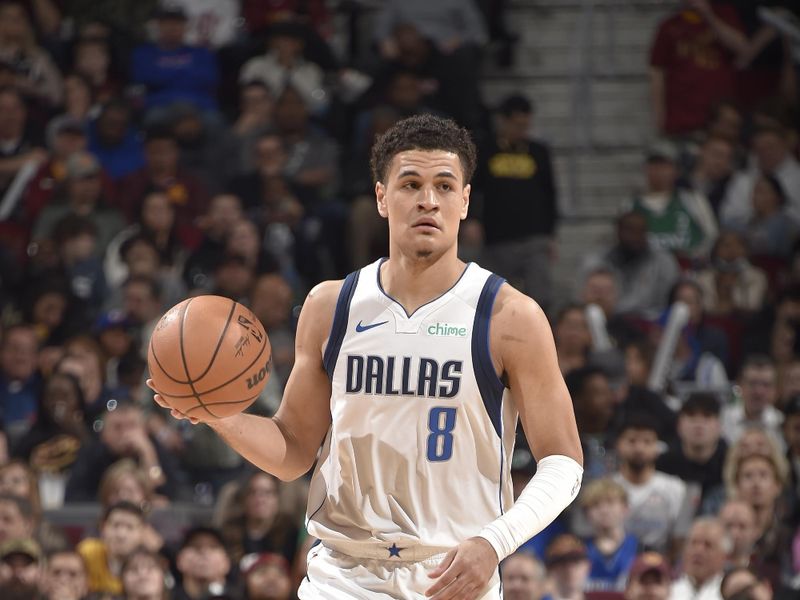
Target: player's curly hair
{"points": [[423, 132]]}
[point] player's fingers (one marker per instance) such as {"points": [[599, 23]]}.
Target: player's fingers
{"points": [[456, 590], [442, 566], [160, 401], [149, 383], [445, 579]]}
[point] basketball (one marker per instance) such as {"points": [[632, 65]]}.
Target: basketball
{"points": [[209, 357]]}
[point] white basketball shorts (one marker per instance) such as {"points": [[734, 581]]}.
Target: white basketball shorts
{"points": [[336, 576]]}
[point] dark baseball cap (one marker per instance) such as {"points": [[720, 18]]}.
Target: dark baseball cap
{"points": [[199, 530], [649, 562], [171, 10], [564, 548]]}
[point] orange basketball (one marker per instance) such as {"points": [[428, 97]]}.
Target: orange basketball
{"points": [[209, 357]]}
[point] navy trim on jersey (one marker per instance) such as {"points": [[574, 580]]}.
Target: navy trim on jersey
{"points": [[339, 326], [489, 384], [408, 316]]}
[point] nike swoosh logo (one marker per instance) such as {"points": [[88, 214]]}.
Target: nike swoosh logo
{"points": [[360, 327]]}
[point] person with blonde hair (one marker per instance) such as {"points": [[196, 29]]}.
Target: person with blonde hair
{"points": [[611, 550]]}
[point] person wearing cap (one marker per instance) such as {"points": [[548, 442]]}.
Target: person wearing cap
{"points": [[84, 197], [172, 71], [20, 568], [699, 454], [678, 220], [203, 564], [524, 577], [649, 578], [267, 577], [703, 560], [520, 208], [568, 566]]}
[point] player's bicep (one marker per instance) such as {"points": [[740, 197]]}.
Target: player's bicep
{"points": [[528, 357], [304, 413]]}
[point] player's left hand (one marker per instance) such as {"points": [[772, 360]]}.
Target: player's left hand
{"points": [[464, 571]]}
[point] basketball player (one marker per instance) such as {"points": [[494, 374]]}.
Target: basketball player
{"points": [[410, 375]]}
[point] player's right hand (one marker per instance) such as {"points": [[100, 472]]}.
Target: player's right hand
{"points": [[163, 404]]}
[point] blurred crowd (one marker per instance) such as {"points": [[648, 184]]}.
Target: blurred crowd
{"points": [[151, 150]]}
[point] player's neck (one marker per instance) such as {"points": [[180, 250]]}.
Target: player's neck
{"points": [[413, 282]]}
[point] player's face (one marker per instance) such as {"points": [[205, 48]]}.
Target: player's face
{"points": [[424, 198]]}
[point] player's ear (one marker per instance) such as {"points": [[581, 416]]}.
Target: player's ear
{"points": [[380, 199], [465, 199]]}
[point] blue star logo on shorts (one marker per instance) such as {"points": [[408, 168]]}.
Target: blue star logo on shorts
{"points": [[394, 551]]}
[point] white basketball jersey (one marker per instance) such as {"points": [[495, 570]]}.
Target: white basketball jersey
{"points": [[422, 434]]}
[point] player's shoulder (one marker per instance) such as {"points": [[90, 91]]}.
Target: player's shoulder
{"points": [[323, 297], [513, 309]]}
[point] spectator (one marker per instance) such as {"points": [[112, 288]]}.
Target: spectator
{"points": [[162, 172], [36, 75], [123, 435], [79, 104], [213, 25], [17, 518], [739, 521], [743, 583], [18, 143], [284, 65], [21, 566], [115, 141], [520, 208], [731, 284], [203, 565], [524, 577], [758, 479], [572, 338], [261, 527], [144, 576], [771, 231], [699, 455], [65, 136], [120, 534], [600, 287], [772, 152], [758, 389], [611, 551], [692, 64], [20, 379], [660, 506], [712, 170], [92, 60], [256, 114], [65, 577], [791, 435], [142, 303], [649, 578], [233, 278], [207, 148], [53, 441], [224, 210], [84, 198], [172, 71], [678, 220], [271, 300], [568, 566], [267, 578], [645, 273], [594, 405], [83, 358], [703, 560]]}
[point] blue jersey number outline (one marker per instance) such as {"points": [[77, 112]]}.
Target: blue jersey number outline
{"points": [[440, 440]]}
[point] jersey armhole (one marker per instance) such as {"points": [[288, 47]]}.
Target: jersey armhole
{"points": [[339, 326], [490, 385]]}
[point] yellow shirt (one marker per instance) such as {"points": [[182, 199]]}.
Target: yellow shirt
{"points": [[101, 579]]}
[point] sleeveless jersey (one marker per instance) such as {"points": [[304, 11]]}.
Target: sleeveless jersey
{"points": [[422, 431]]}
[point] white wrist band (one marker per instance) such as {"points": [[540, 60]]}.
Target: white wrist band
{"points": [[554, 486]]}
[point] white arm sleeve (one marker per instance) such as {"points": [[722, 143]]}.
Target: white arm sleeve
{"points": [[554, 486]]}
